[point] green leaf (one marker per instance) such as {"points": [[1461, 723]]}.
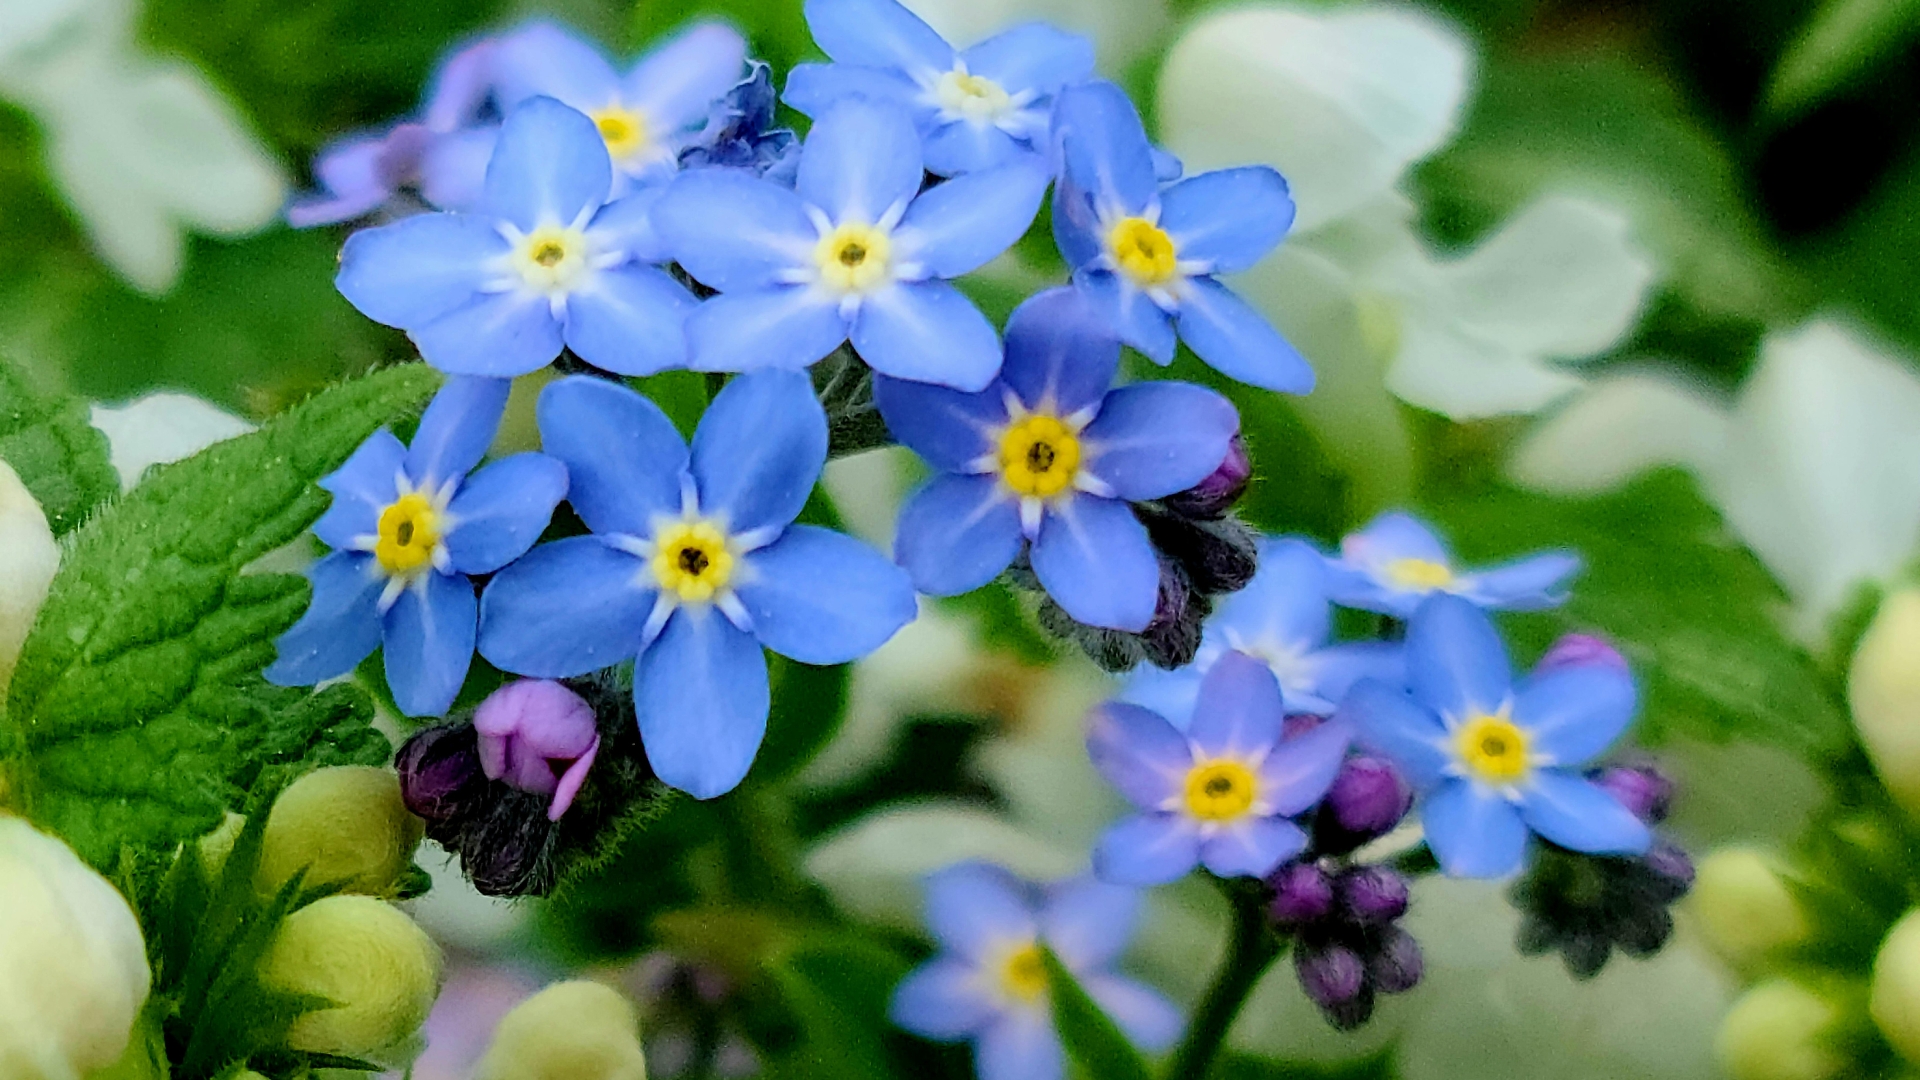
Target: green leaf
{"points": [[837, 987], [1093, 1041], [136, 709], [1841, 40], [1245, 1067], [60, 457], [1694, 612]]}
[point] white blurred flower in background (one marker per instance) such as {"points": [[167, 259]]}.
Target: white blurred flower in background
{"points": [[1121, 29], [143, 149], [159, 428], [26, 570]]}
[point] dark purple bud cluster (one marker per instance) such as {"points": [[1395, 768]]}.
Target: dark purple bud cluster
{"points": [[1349, 947]]}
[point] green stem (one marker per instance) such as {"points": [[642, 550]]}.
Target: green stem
{"points": [[1253, 949]]}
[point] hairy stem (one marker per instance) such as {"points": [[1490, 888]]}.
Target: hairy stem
{"points": [[1253, 948]]}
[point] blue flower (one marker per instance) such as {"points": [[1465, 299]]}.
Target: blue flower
{"points": [[541, 264], [1050, 454], [854, 251], [693, 565], [988, 985], [1495, 761], [1218, 794], [1283, 619], [1395, 563], [740, 134], [407, 526], [1147, 258], [645, 117], [978, 108]]}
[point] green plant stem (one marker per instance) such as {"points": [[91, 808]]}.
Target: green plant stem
{"points": [[1252, 950]]}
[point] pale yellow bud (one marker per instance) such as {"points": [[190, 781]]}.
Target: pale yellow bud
{"points": [[73, 967], [1883, 689], [1895, 1001], [28, 559], [345, 826], [364, 954], [569, 1031], [1743, 908], [1779, 1030]]}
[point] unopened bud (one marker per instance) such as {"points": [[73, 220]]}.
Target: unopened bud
{"points": [[1302, 893], [218, 844], [440, 772], [569, 1031], [1215, 495], [364, 954], [1744, 909], [1397, 964], [1335, 978], [1779, 1030], [26, 571], [1581, 650], [345, 826], [1895, 999], [539, 737], [1372, 895], [1883, 690], [1642, 789], [1368, 798]]}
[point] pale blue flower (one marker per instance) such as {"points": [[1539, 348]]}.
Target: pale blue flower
{"points": [[1396, 562]]}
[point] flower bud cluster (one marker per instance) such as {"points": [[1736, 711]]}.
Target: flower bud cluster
{"points": [[1349, 946]]}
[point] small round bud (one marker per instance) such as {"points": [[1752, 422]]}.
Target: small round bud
{"points": [[1895, 999], [1642, 789], [1215, 495], [1743, 907], [1335, 978], [1302, 893], [1368, 798], [440, 772], [569, 1031], [1581, 650], [364, 954], [1372, 895], [1671, 872], [1779, 1030], [1397, 964], [539, 737], [346, 826], [26, 572], [1883, 690]]}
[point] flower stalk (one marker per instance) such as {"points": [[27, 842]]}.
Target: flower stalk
{"points": [[1251, 951]]}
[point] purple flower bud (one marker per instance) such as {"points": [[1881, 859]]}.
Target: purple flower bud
{"points": [[1672, 871], [1368, 797], [1301, 894], [1396, 965], [1173, 636], [539, 737], [1372, 895], [1580, 650], [1643, 789], [440, 773], [1332, 975], [1215, 495]]}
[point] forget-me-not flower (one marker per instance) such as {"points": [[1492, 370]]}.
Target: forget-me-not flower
{"points": [[739, 133], [407, 526], [1283, 619], [692, 566], [977, 108], [989, 984], [645, 117], [544, 262], [1217, 794], [1395, 563], [854, 252], [1051, 454], [1147, 258], [1494, 761]]}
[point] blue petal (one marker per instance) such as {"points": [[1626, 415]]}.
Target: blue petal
{"points": [[812, 88], [1151, 1021], [789, 326], [549, 168], [1529, 584], [497, 334], [1060, 357], [349, 171], [822, 598], [1021, 1045], [957, 533], [877, 33], [1473, 831], [1094, 559], [677, 82], [564, 609], [1572, 714], [950, 429], [460, 85], [629, 321], [861, 158], [362, 488], [1395, 725], [1581, 815], [456, 429], [1032, 56], [1252, 847], [1147, 849], [1139, 752], [626, 225], [1239, 342], [417, 269], [453, 168], [1088, 922], [956, 227], [1128, 313], [1106, 149], [963, 147], [543, 58], [1456, 663], [1166, 167], [944, 999], [759, 449], [928, 331], [1285, 605], [1239, 712], [1228, 219], [341, 624], [1169, 693], [1337, 669], [733, 231], [428, 644], [1153, 439], [974, 908], [502, 510], [1393, 536], [1075, 224], [1298, 773], [623, 457], [702, 697]]}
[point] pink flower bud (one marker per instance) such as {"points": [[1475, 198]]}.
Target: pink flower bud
{"points": [[538, 736], [1581, 650]]}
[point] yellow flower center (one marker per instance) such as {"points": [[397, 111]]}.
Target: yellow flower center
{"points": [[1420, 574], [853, 257], [1493, 748], [623, 130], [1039, 455], [551, 258], [408, 531], [972, 96], [1220, 790], [1143, 251], [1023, 974], [692, 561]]}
